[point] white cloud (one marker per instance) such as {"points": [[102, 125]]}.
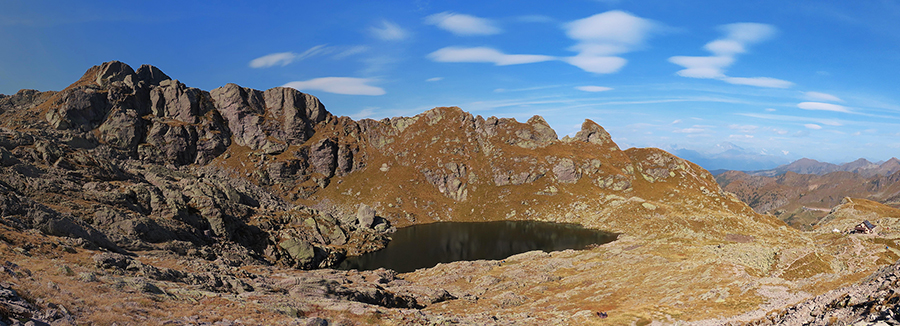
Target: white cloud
{"points": [[283, 58], [816, 96], [702, 67], [819, 106], [593, 88], [434, 79], [339, 85], [759, 82], [611, 27], [748, 32], [597, 64], [737, 37], [725, 47], [389, 31], [770, 110], [364, 113], [691, 130], [812, 126], [485, 54], [286, 58], [351, 51], [463, 25], [603, 36]]}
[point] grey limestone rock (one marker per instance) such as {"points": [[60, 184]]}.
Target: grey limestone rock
{"points": [[365, 215], [565, 171], [81, 108], [151, 75], [593, 133], [300, 251], [245, 110], [323, 157], [113, 71]]}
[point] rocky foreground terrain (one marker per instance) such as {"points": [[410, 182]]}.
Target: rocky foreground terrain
{"points": [[131, 198]]}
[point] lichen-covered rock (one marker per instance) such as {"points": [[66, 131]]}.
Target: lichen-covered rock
{"points": [[300, 251], [113, 71], [80, 108], [565, 171], [593, 133], [365, 216]]}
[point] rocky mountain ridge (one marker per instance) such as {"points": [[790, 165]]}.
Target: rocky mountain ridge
{"points": [[154, 188], [809, 166], [803, 199]]}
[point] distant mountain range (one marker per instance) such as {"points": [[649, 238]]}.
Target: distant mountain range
{"points": [[801, 193], [727, 156], [809, 166]]}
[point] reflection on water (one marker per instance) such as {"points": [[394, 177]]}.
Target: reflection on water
{"points": [[427, 245]]}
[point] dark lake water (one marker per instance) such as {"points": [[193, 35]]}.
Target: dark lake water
{"points": [[427, 245]]}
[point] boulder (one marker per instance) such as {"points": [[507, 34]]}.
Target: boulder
{"points": [[300, 251], [565, 171], [365, 215], [80, 108]]}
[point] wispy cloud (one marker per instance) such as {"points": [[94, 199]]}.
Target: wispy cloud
{"points": [[816, 96], [525, 89], [777, 117], [593, 88], [759, 82], [819, 106], [351, 51], [463, 25], [364, 113], [696, 129], [812, 126], [747, 129], [339, 85], [286, 58], [434, 79], [388, 31], [602, 37], [486, 55], [724, 51]]}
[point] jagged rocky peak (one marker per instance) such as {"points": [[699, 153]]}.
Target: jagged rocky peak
{"points": [[155, 118], [593, 133]]}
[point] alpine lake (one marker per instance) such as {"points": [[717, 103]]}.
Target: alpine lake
{"points": [[426, 245]]}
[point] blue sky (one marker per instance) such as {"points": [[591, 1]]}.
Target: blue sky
{"points": [[792, 79]]}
